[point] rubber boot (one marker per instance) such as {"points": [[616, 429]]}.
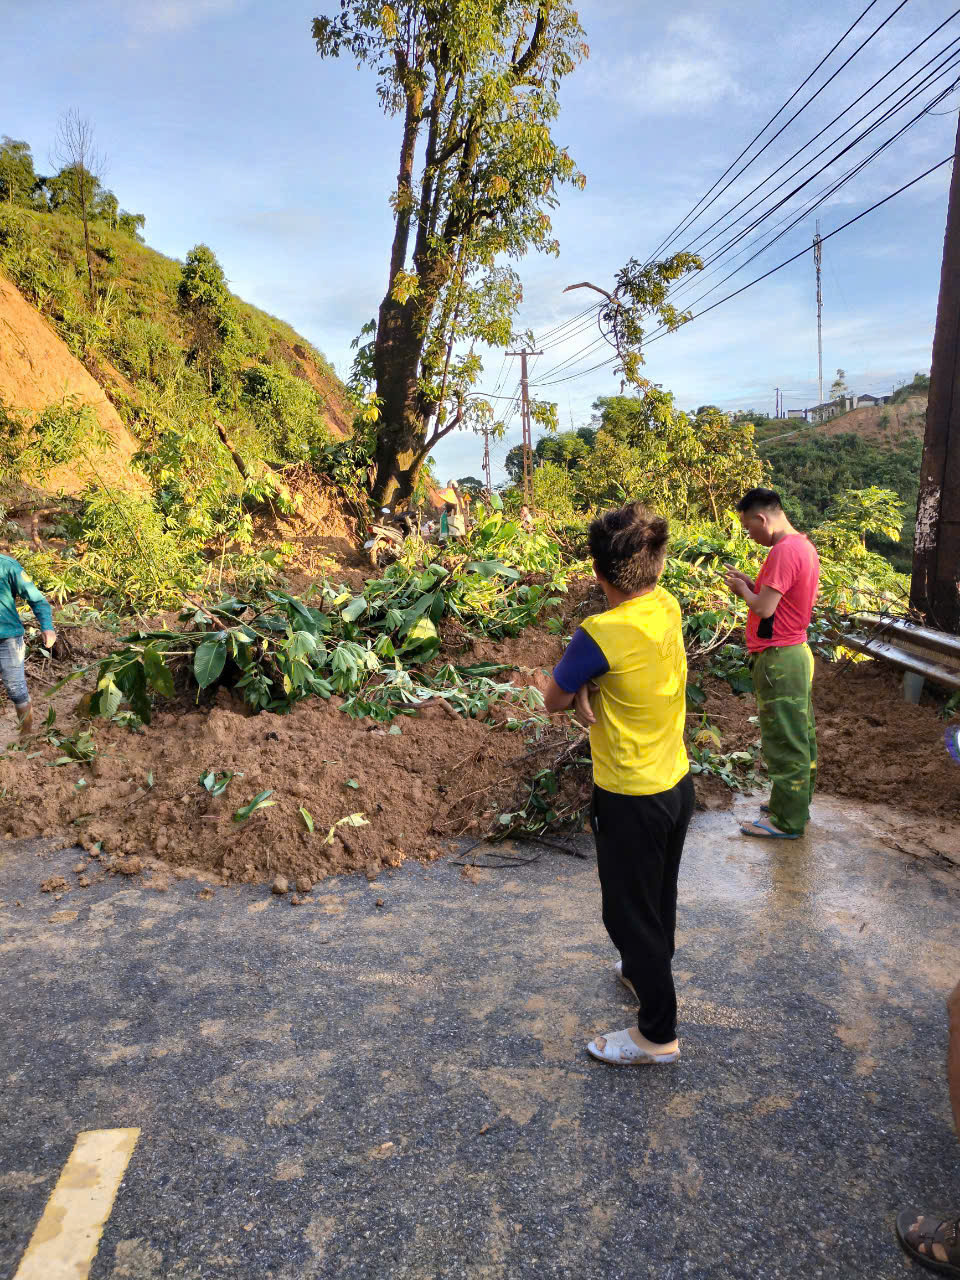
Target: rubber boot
{"points": [[25, 716]]}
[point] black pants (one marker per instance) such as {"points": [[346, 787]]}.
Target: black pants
{"points": [[639, 846]]}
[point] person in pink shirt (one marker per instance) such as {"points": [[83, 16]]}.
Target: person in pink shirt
{"points": [[780, 603]]}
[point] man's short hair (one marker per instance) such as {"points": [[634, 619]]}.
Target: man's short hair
{"points": [[629, 547], [760, 500]]}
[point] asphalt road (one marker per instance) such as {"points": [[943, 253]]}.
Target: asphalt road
{"points": [[350, 1090]]}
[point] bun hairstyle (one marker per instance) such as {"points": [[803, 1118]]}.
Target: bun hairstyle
{"points": [[629, 547]]}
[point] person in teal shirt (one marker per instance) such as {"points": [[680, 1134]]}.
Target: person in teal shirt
{"points": [[16, 584]]}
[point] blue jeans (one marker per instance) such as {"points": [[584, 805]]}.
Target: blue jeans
{"points": [[12, 652]]}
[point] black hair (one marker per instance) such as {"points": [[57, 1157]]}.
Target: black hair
{"points": [[760, 500], [629, 547]]}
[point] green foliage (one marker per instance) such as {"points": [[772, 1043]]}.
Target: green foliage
{"points": [[33, 444], [479, 171], [150, 320], [18, 179], [919, 386], [809, 471], [645, 448], [61, 193], [641, 291]]}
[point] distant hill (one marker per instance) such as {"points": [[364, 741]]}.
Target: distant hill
{"points": [[889, 424]]}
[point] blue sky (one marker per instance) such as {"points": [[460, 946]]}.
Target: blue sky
{"points": [[222, 124]]}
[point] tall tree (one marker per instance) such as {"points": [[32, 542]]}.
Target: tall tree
{"points": [[76, 152], [206, 302], [476, 84]]}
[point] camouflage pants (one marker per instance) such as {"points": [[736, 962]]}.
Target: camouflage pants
{"points": [[783, 684]]}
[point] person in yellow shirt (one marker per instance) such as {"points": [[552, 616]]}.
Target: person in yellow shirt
{"points": [[642, 789]]}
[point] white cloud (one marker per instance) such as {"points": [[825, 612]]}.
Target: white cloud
{"points": [[694, 67], [175, 15]]}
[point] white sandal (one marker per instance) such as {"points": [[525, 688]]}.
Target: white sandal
{"points": [[621, 1050], [618, 969]]}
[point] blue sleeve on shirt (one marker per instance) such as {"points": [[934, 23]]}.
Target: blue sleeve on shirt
{"points": [[583, 660]]}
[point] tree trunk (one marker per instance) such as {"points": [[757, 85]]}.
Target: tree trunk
{"points": [[405, 414], [86, 244]]}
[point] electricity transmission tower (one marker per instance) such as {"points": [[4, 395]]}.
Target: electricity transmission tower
{"points": [[818, 260]]}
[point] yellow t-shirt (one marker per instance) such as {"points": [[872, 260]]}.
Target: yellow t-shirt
{"points": [[637, 741]]}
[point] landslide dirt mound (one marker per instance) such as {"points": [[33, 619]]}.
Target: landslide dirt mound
{"points": [[142, 794], [140, 803], [874, 748], [37, 370]]}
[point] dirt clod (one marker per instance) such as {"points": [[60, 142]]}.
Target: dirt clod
{"points": [[280, 885], [53, 884], [127, 866], [304, 884]]}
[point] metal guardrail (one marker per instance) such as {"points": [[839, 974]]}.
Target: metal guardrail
{"points": [[929, 654]]}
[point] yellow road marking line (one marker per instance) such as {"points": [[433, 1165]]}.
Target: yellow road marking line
{"points": [[66, 1238]]}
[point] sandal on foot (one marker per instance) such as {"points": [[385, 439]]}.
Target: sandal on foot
{"points": [[618, 969], [765, 831], [621, 1050], [932, 1241]]}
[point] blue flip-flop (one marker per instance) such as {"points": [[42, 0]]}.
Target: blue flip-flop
{"points": [[769, 833]]}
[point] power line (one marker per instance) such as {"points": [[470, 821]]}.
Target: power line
{"points": [[806, 249], [845, 178], [773, 270], [932, 76], [770, 141], [684, 222]]}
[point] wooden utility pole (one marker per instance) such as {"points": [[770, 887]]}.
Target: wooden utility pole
{"points": [[818, 260], [934, 590], [526, 424]]}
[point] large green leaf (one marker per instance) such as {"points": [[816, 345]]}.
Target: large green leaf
{"points": [[208, 662], [158, 674], [262, 801], [492, 569], [423, 630], [108, 697], [356, 607], [301, 644]]}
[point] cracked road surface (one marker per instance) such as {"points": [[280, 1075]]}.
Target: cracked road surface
{"points": [[350, 1090]]}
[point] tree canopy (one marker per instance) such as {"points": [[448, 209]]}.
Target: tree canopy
{"points": [[476, 84]]}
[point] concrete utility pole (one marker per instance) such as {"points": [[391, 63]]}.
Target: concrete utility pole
{"points": [[486, 460], [526, 424], [818, 260], [934, 590], [776, 402]]}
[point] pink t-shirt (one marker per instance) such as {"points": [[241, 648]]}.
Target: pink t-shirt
{"points": [[792, 567]]}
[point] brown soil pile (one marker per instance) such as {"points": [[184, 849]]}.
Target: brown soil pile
{"points": [[876, 747], [873, 746], [142, 794], [140, 803]]}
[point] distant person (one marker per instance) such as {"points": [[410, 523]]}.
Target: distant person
{"points": [[780, 603], [16, 584], [933, 1240], [632, 657], [451, 523]]}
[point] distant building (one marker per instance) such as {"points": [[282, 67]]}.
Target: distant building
{"points": [[797, 413], [829, 409]]}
